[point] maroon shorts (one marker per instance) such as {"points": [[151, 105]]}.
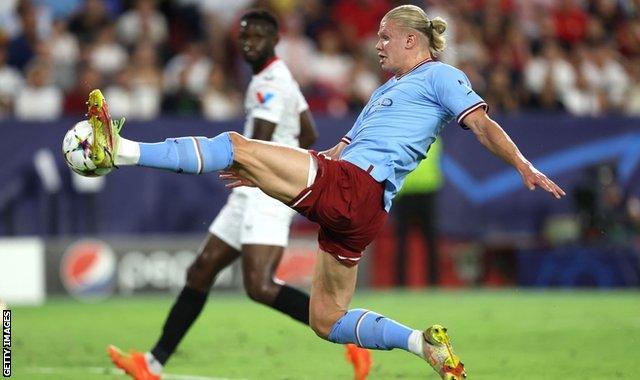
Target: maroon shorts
{"points": [[347, 203]]}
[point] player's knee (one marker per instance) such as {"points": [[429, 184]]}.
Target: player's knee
{"points": [[201, 273], [260, 289], [320, 324]]}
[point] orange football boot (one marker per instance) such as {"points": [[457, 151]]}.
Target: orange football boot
{"points": [[133, 363], [360, 358]]}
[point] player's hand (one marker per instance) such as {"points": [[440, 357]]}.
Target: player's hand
{"points": [[234, 180], [334, 153], [533, 178]]}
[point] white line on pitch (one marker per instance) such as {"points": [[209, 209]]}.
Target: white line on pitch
{"points": [[114, 371]]}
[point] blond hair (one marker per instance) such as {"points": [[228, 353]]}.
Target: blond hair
{"points": [[411, 16]]}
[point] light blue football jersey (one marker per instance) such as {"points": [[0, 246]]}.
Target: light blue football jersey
{"points": [[403, 117]]}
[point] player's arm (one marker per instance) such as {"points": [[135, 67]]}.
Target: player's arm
{"points": [[494, 138], [262, 129], [308, 131]]}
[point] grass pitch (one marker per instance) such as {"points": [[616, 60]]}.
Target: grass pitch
{"points": [[498, 334]]}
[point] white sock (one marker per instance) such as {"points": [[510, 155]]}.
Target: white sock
{"points": [[154, 365], [416, 342], [128, 152]]}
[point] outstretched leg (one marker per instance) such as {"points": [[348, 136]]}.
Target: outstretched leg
{"points": [[280, 171]]}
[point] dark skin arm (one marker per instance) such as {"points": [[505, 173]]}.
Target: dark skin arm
{"points": [[262, 129], [308, 132]]}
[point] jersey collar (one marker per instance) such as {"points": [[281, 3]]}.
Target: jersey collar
{"points": [[267, 64], [414, 67]]}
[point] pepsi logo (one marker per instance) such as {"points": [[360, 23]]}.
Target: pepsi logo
{"points": [[88, 270]]}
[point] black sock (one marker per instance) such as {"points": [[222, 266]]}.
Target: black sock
{"points": [[183, 313], [293, 303]]}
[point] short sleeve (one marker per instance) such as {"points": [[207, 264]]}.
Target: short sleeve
{"points": [[349, 136], [454, 93], [271, 104]]}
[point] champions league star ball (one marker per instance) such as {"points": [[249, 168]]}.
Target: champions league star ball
{"points": [[76, 147]]}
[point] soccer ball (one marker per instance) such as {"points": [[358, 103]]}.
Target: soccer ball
{"points": [[76, 148]]}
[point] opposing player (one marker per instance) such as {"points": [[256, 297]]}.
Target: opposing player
{"points": [[349, 188], [251, 226]]}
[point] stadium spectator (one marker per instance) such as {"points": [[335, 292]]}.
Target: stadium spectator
{"points": [[76, 98], [136, 102], [91, 18], [144, 23], [13, 11], [468, 45], [582, 99], [61, 9], [144, 65], [330, 70], [11, 82], [106, 54], [23, 45], [225, 11], [317, 18], [628, 37], [39, 99], [119, 94], [569, 21], [604, 72], [548, 74], [185, 78], [65, 51], [596, 33], [322, 38], [146, 78], [531, 15], [363, 82], [220, 101], [499, 91], [631, 105], [607, 12], [296, 49], [358, 20]]}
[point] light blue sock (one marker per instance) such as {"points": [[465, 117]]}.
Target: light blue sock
{"points": [[193, 155], [370, 330]]}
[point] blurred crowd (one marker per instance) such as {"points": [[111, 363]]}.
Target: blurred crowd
{"points": [[179, 57]]}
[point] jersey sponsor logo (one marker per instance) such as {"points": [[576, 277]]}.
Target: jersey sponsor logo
{"points": [[264, 98], [378, 104], [88, 269]]}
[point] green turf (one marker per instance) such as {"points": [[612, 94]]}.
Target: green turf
{"points": [[499, 335]]}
